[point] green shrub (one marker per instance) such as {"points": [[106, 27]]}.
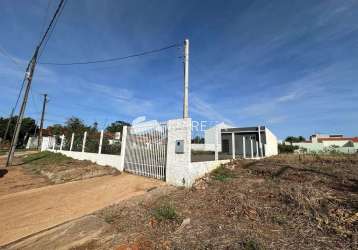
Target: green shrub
{"points": [[165, 212], [222, 174]]}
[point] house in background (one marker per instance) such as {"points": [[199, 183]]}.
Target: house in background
{"points": [[247, 142], [325, 142]]}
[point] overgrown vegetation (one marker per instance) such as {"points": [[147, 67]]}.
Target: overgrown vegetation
{"points": [[284, 149], [45, 158], [165, 211], [222, 174]]}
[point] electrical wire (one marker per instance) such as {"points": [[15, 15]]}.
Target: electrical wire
{"points": [[6, 54], [114, 58], [51, 26]]}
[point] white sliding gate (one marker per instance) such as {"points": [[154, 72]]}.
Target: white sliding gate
{"points": [[146, 150]]}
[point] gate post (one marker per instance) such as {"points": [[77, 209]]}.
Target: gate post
{"points": [[123, 147], [179, 153]]}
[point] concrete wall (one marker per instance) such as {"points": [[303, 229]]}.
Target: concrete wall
{"points": [[198, 147], [101, 159], [178, 165], [271, 146], [199, 169], [210, 134]]}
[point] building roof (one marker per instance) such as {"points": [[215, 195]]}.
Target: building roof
{"points": [[353, 139]]}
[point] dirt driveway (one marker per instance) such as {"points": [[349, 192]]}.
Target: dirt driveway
{"points": [[28, 212]]}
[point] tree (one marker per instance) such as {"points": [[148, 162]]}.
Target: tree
{"points": [[28, 128], [198, 140], [117, 126], [75, 125], [292, 139]]}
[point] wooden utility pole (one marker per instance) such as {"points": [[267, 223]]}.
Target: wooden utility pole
{"points": [[186, 79], [39, 139]]}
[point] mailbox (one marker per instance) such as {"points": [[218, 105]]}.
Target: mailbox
{"points": [[179, 146]]}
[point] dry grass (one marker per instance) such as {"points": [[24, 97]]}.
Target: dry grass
{"points": [[283, 202]]}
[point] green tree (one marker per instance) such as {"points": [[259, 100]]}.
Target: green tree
{"points": [[117, 126], [27, 129], [292, 139]]}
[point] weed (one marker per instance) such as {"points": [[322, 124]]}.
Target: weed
{"points": [[165, 212], [45, 157], [222, 174], [251, 245]]}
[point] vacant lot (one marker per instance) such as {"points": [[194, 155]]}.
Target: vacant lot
{"points": [[284, 202], [34, 170]]}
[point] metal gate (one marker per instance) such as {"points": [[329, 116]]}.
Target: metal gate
{"points": [[146, 150]]}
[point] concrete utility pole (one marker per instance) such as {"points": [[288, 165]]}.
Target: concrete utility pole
{"points": [[39, 139], [186, 79], [15, 138], [28, 78]]}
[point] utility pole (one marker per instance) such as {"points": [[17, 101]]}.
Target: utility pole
{"points": [[8, 123], [28, 78], [15, 138], [42, 121], [186, 79]]}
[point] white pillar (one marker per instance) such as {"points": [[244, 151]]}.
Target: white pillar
{"points": [[84, 141], [53, 142], [123, 147], [260, 145], [216, 144], [62, 139], [257, 150], [252, 148], [72, 138], [233, 145], [243, 147], [100, 143]]}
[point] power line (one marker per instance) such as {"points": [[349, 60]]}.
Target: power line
{"points": [[114, 58], [53, 28], [5, 53]]}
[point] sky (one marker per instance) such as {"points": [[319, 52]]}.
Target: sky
{"points": [[289, 65]]}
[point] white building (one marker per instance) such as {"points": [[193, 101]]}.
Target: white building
{"points": [[248, 141]]}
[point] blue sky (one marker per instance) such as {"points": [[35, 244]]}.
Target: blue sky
{"points": [[290, 65]]}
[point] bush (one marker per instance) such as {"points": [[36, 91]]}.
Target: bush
{"points": [[282, 148], [222, 174], [165, 212]]}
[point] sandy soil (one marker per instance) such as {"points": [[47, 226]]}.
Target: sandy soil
{"points": [[15, 179], [28, 212]]}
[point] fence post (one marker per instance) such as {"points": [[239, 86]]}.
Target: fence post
{"points": [[257, 150], [233, 145], [244, 147], [252, 148], [100, 143], [123, 146], [84, 141], [72, 138], [62, 139], [53, 142], [216, 144]]}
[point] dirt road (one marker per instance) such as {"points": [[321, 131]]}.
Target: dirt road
{"points": [[31, 211]]}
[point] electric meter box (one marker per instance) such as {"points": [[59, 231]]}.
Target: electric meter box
{"points": [[179, 146]]}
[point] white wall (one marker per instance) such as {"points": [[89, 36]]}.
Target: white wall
{"points": [[271, 146], [100, 159], [199, 169], [178, 164], [210, 136], [198, 147]]}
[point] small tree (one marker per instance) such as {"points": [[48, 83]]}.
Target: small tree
{"points": [[117, 126]]}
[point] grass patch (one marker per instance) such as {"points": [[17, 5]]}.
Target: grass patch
{"points": [[222, 174], [45, 158], [165, 212], [251, 245]]}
